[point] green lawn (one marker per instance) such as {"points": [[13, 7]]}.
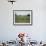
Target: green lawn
{"points": [[22, 19]]}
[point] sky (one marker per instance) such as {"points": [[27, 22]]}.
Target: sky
{"points": [[22, 12]]}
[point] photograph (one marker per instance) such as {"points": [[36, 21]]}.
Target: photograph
{"points": [[22, 22], [22, 16]]}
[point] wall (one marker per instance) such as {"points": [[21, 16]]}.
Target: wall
{"points": [[38, 30]]}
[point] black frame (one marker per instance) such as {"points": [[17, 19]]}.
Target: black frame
{"points": [[24, 10]]}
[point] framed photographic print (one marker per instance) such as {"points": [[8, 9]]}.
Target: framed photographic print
{"points": [[22, 17]]}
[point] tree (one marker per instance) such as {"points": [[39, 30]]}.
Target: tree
{"points": [[15, 14], [28, 14]]}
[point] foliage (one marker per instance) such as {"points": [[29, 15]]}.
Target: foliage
{"points": [[22, 18]]}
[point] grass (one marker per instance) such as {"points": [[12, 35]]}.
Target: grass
{"points": [[22, 19]]}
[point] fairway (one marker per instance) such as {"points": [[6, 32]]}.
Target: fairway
{"points": [[22, 19]]}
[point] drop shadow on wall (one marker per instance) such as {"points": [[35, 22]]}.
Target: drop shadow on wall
{"points": [[25, 24]]}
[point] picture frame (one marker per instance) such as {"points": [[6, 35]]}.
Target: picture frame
{"points": [[22, 17]]}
